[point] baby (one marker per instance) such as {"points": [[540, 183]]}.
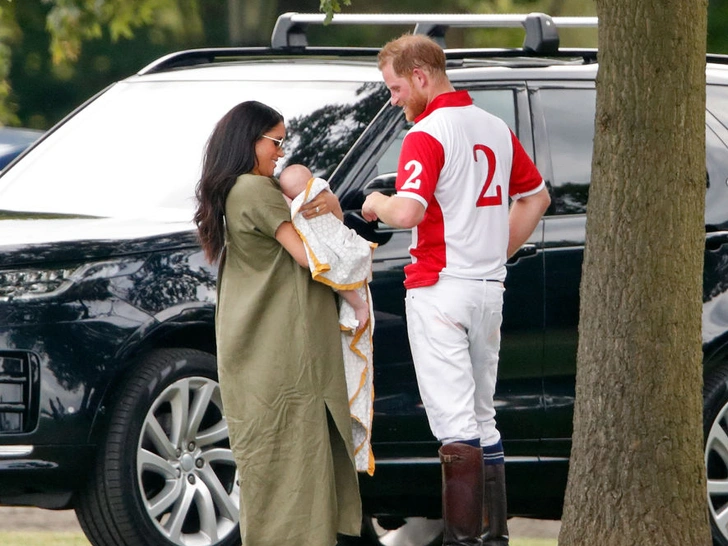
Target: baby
{"points": [[294, 181]]}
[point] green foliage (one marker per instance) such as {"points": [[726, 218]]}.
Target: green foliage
{"points": [[329, 7], [56, 53], [72, 22], [717, 23], [375, 35], [9, 33]]}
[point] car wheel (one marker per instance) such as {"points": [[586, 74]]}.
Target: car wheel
{"points": [[406, 532], [166, 474], [715, 426]]}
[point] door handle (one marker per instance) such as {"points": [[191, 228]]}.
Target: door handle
{"points": [[715, 239]]}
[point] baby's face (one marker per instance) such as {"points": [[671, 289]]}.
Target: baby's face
{"points": [[292, 184]]}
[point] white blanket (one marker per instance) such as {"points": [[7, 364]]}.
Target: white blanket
{"points": [[341, 258]]}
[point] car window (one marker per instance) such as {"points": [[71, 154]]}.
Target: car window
{"points": [[137, 149], [499, 102], [716, 198], [716, 98], [569, 116]]}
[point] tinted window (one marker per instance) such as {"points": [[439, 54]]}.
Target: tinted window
{"points": [[569, 115], [716, 198], [716, 97], [137, 149], [499, 102]]}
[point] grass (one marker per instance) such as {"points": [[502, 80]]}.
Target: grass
{"points": [[68, 538]]}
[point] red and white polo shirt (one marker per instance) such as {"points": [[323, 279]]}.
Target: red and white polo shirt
{"points": [[462, 164]]}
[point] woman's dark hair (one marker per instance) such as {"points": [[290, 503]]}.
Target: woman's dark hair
{"points": [[230, 152]]}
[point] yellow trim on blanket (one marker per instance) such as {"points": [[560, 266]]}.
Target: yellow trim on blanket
{"points": [[352, 337], [356, 338]]}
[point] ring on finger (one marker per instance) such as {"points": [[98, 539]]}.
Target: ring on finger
{"points": [[317, 210]]}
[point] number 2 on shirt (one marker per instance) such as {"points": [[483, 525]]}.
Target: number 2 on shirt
{"points": [[413, 182], [488, 200]]}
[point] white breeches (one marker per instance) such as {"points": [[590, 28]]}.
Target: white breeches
{"points": [[454, 332]]}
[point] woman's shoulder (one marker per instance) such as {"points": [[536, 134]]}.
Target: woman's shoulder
{"points": [[251, 190], [253, 184], [250, 180]]}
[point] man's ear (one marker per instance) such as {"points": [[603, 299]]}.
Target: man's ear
{"points": [[420, 76]]}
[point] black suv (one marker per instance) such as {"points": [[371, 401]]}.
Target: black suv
{"points": [[109, 402]]}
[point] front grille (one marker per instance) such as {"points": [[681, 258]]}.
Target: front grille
{"points": [[16, 392]]}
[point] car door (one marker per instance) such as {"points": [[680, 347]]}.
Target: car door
{"points": [[399, 415], [563, 114]]}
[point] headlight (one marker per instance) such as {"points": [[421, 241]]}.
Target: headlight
{"points": [[30, 284], [27, 284]]}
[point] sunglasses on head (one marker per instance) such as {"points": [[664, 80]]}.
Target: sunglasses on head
{"points": [[278, 141]]}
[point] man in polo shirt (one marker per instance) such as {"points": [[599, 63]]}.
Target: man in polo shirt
{"points": [[458, 169]]}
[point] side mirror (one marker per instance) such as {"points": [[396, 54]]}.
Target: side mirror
{"points": [[384, 183]]}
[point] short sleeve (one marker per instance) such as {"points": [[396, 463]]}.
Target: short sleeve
{"points": [[525, 178], [420, 162], [259, 204]]}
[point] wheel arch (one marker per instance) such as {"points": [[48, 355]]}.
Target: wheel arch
{"points": [[186, 329], [715, 355]]}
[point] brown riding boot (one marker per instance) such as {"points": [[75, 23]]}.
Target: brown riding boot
{"points": [[462, 494], [495, 512]]}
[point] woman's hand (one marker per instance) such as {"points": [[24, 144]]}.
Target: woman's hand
{"points": [[323, 203]]}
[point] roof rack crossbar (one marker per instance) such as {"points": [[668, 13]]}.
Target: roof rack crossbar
{"points": [[541, 29]]}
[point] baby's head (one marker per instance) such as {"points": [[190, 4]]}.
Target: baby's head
{"points": [[293, 180]]}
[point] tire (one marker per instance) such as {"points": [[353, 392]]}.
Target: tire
{"points": [[715, 429], [165, 475], [407, 532]]}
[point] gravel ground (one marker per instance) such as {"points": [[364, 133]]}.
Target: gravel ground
{"points": [[36, 519]]}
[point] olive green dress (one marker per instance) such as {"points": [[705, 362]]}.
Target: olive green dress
{"points": [[282, 379]]}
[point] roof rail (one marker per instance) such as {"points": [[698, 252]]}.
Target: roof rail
{"points": [[541, 30], [193, 57]]}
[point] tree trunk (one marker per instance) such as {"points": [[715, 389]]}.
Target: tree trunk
{"points": [[250, 22], [636, 473]]}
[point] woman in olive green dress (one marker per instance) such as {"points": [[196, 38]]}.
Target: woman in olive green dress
{"points": [[279, 355]]}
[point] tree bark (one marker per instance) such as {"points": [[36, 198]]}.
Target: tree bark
{"points": [[637, 474]]}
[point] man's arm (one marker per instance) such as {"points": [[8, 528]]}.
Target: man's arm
{"points": [[398, 212], [524, 216]]}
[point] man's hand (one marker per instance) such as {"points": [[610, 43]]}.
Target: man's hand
{"points": [[395, 211], [368, 209]]}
